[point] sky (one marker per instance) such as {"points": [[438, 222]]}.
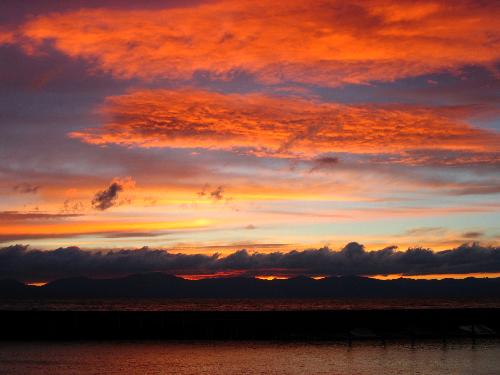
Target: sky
{"points": [[204, 127]]}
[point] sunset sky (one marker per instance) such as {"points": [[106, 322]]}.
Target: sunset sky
{"points": [[214, 126]]}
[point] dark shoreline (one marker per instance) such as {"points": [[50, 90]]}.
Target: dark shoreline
{"points": [[160, 285], [348, 325]]}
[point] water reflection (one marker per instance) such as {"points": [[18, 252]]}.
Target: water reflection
{"points": [[258, 304], [248, 358]]}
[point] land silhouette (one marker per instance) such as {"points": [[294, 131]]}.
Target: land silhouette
{"points": [[161, 285]]}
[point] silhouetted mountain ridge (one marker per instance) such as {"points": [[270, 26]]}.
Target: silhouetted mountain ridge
{"points": [[160, 285]]}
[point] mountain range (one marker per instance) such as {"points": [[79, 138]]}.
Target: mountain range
{"points": [[160, 285]]}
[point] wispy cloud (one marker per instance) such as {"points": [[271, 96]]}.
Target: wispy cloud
{"points": [[26, 188], [14, 216], [324, 162]]}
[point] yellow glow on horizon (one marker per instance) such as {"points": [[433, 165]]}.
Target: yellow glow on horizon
{"points": [[437, 276], [37, 284], [272, 277]]}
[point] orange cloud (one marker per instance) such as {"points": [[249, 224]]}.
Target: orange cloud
{"points": [[327, 43], [275, 126], [438, 276], [14, 230], [6, 37]]}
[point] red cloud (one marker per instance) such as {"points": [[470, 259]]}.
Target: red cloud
{"points": [[320, 42], [284, 127]]}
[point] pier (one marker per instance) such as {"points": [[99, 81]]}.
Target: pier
{"points": [[348, 325]]}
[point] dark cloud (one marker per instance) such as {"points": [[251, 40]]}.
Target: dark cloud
{"points": [[72, 206], [26, 188], [480, 189], [325, 162], [135, 234], [19, 262], [440, 158], [218, 193], [107, 198], [204, 191], [16, 238], [424, 231], [22, 216], [472, 234]]}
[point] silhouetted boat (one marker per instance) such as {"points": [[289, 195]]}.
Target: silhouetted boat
{"points": [[477, 329]]}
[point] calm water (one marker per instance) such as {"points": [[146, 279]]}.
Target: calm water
{"points": [[241, 304], [247, 358]]}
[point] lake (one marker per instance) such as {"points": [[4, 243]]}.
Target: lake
{"points": [[156, 357], [234, 304]]}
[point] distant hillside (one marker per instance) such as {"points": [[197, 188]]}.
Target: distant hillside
{"points": [[159, 285]]}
